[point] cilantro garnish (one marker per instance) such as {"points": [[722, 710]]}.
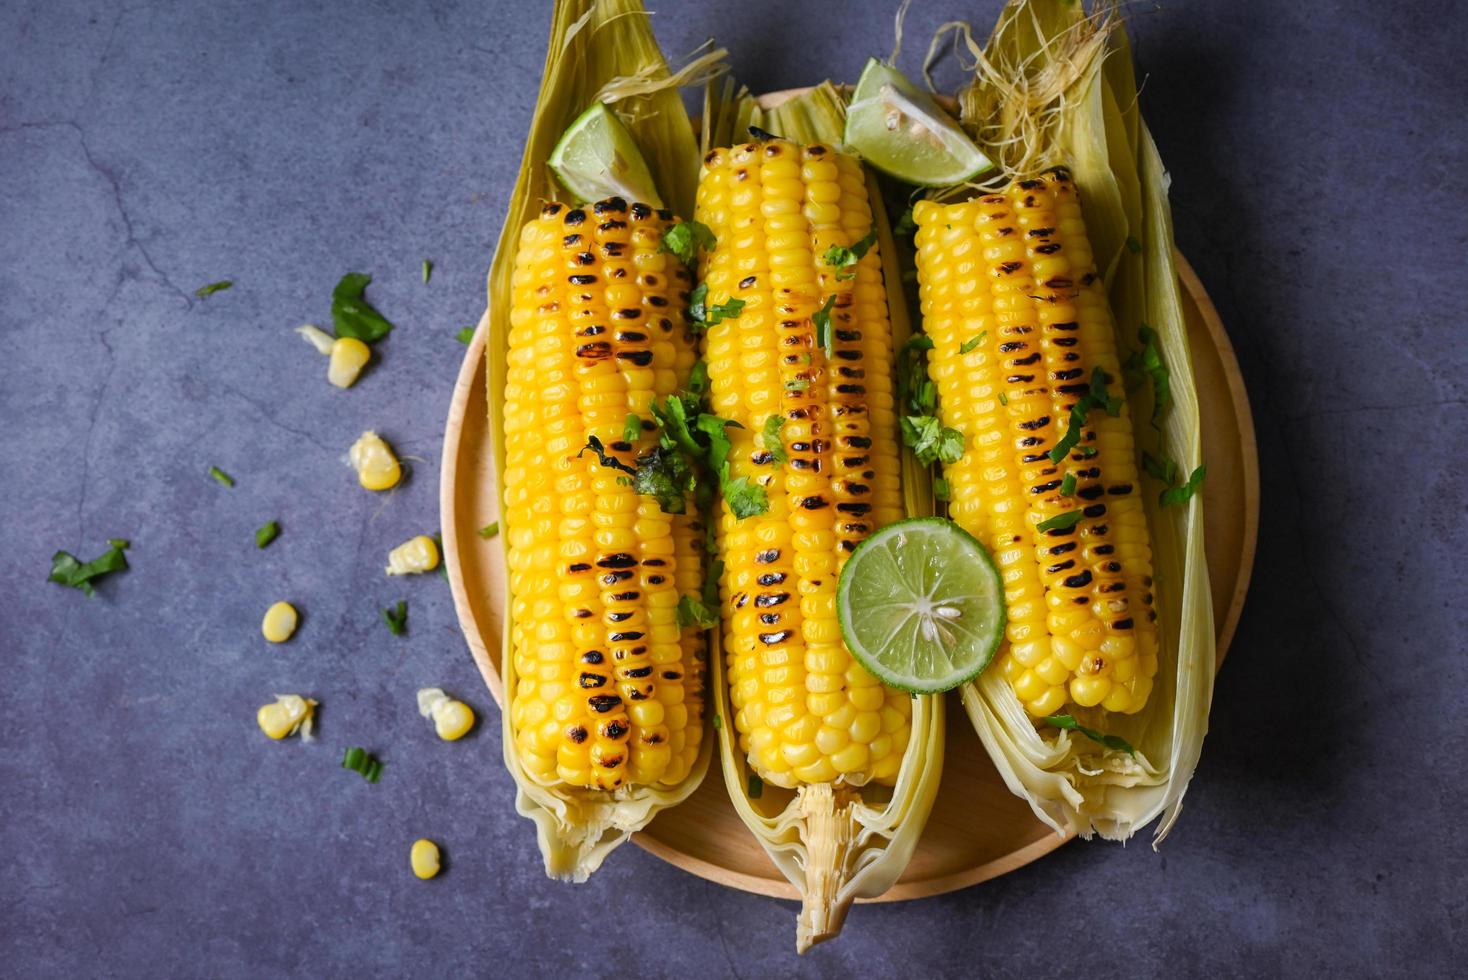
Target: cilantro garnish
{"points": [[632, 428], [1110, 741], [1097, 397], [1068, 485], [67, 570], [266, 534], [1063, 521], [931, 441], [1176, 496], [701, 316], [465, 335], [772, 440], [844, 258], [685, 239], [213, 287], [745, 497], [825, 338], [490, 530], [973, 342], [352, 315], [396, 617]]}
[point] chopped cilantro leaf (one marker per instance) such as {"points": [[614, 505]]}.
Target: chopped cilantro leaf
{"points": [[772, 440], [1097, 397], [941, 489], [490, 530], [693, 612], [1151, 362], [701, 315], [756, 786], [745, 497], [973, 342], [67, 570], [844, 258], [427, 270], [632, 427], [465, 335], [213, 287], [930, 440], [1115, 742], [686, 238], [221, 476], [825, 338], [396, 617], [797, 384], [1003, 398], [1176, 496], [1063, 521], [352, 315], [266, 534], [1160, 469]]}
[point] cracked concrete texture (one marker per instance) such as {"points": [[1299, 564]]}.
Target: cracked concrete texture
{"points": [[146, 830]]}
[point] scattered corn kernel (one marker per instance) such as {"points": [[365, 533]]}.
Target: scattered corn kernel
{"points": [[418, 555], [424, 858], [377, 468], [318, 338], [348, 357], [451, 719], [288, 714], [280, 622]]}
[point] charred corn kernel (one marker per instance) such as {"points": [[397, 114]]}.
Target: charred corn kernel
{"points": [[316, 337], [451, 719], [1012, 273], [286, 715], [280, 622], [348, 357], [424, 858], [377, 468], [804, 711], [607, 688], [415, 555]]}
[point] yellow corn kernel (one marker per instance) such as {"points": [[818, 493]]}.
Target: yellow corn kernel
{"points": [[286, 715], [418, 554], [348, 357], [451, 719], [280, 622], [377, 468], [425, 858]]}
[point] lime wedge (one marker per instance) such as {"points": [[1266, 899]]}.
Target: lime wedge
{"points": [[899, 129], [921, 605], [597, 158]]}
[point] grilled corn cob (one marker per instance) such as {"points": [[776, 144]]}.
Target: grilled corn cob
{"points": [[607, 690], [1021, 329], [819, 435]]}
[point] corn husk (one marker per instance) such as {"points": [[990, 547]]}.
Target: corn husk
{"points": [[1054, 85], [593, 45], [834, 843]]}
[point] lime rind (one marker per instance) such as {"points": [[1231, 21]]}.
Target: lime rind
{"points": [[902, 131], [921, 605], [597, 158]]}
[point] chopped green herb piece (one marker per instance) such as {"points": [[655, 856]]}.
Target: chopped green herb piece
{"points": [[844, 259], [930, 440], [266, 534], [396, 618], [1110, 741], [221, 476], [1063, 521], [685, 239], [701, 316], [465, 335], [352, 315], [1068, 485], [1097, 397], [1150, 360], [212, 288], [1003, 398], [797, 384], [756, 786], [825, 338], [698, 379], [1133, 246], [67, 570], [1160, 469], [973, 341], [912, 372], [427, 270], [490, 530], [772, 440], [745, 497], [718, 723], [941, 489], [693, 612], [357, 760], [632, 427], [1087, 452], [1176, 496]]}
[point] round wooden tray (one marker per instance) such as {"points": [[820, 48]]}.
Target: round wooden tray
{"points": [[978, 829]]}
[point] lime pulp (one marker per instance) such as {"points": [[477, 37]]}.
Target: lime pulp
{"points": [[597, 158], [901, 130], [921, 605]]}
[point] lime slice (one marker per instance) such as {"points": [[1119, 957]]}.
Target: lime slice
{"points": [[921, 605], [597, 158], [899, 129]]}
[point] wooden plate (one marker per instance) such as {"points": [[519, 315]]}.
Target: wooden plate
{"points": [[977, 830]]}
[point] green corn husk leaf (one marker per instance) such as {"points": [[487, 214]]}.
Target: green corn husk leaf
{"points": [[596, 47], [1071, 99], [833, 847]]}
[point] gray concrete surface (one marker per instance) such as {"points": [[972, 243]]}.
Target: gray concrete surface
{"points": [[147, 830]]}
